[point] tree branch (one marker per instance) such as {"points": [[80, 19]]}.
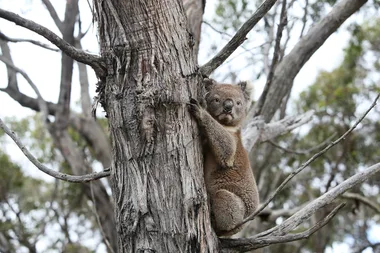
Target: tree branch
{"points": [[302, 152], [53, 173], [294, 173], [364, 200], [238, 38], [302, 215], [41, 102], [250, 244], [276, 54], [79, 55], [271, 215], [84, 84], [291, 64], [53, 14], [258, 131], [37, 43], [279, 234]]}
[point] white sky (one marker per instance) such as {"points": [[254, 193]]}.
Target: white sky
{"points": [[43, 67]]}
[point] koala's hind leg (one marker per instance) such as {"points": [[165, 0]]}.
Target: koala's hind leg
{"points": [[228, 210]]}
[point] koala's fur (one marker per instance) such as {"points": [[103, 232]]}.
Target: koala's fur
{"points": [[229, 179]]}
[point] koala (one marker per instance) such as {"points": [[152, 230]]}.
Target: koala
{"points": [[229, 179]]}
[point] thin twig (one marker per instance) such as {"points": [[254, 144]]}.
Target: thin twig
{"points": [[238, 38], [53, 173], [79, 55], [302, 152], [303, 166], [37, 43]]}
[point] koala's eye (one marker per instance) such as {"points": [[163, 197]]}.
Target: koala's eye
{"points": [[216, 100], [238, 102]]}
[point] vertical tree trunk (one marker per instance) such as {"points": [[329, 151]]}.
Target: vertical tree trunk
{"points": [[194, 12], [157, 170]]}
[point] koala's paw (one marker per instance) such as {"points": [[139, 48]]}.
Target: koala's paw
{"points": [[195, 108]]}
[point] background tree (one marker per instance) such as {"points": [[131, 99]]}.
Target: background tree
{"points": [[146, 73]]}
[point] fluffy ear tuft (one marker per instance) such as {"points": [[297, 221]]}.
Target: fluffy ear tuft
{"points": [[208, 83], [247, 88]]}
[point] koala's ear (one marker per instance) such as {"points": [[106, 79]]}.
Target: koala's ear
{"points": [[247, 88], [209, 83]]}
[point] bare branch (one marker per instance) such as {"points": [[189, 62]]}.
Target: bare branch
{"points": [[63, 113], [258, 131], [291, 64], [79, 55], [279, 234], [41, 102], [53, 14], [84, 84], [238, 38], [37, 43], [304, 18], [294, 173], [53, 173], [271, 215], [255, 243], [99, 222], [276, 56], [302, 215], [364, 200], [367, 245], [302, 152]]}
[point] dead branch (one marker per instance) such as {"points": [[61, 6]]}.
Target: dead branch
{"points": [[271, 215], [41, 102], [302, 215], [304, 165], [361, 249], [79, 55], [279, 234], [302, 152], [249, 244], [258, 131], [238, 38], [53, 14], [34, 42], [53, 173], [107, 242], [276, 54], [291, 64], [364, 200]]}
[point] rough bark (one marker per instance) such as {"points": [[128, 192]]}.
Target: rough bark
{"points": [[157, 170]]}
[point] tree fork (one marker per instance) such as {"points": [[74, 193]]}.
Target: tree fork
{"points": [[157, 169]]}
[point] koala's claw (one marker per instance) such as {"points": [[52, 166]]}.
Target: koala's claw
{"points": [[194, 101], [194, 107]]}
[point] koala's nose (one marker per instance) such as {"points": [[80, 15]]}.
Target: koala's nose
{"points": [[227, 105]]}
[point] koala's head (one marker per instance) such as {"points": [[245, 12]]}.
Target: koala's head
{"points": [[227, 103]]}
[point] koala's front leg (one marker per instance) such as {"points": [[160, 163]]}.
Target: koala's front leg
{"points": [[220, 141]]}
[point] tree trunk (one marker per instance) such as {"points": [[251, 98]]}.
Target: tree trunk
{"points": [[157, 169]]}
